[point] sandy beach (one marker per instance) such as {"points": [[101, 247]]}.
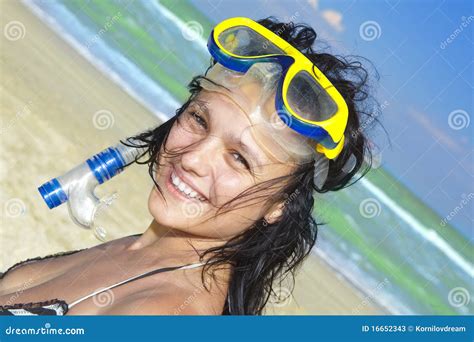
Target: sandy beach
{"points": [[57, 110]]}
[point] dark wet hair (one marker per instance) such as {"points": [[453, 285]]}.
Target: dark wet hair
{"points": [[267, 253]]}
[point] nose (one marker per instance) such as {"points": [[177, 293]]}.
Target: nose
{"points": [[202, 157]]}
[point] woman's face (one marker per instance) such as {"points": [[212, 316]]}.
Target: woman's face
{"points": [[218, 160]]}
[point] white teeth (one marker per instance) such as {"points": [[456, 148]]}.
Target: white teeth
{"points": [[184, 188]]}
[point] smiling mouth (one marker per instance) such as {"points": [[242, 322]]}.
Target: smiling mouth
{"points": [[181, 188]]}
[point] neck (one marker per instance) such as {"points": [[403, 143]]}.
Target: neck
{"points": [[175, 247]]}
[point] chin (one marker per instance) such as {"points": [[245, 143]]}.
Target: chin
{"points": [[169, 212], [161, 210]]}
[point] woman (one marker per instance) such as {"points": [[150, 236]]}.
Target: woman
{"points": [[233, 196]]}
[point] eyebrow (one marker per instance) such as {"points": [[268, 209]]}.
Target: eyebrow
{"points": [[202, 105]]}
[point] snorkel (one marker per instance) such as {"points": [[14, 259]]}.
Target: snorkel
{"points": [[77, 186]]}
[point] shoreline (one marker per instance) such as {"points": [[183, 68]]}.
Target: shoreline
{"points": [[359, 289]]}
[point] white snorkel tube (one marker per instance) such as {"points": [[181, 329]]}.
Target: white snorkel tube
{"points": [[77, 186]]}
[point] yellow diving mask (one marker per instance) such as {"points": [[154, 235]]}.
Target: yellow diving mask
{"points": [[304, 98], [296, 114]]}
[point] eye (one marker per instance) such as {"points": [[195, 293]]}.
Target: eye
{"points": [[241, 160], [199, 119]]}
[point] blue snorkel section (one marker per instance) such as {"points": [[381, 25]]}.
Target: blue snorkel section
{"points": [[77, 186], [106, 164], [52, 193]]}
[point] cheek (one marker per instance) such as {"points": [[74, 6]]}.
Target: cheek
{"points": [[238, 219], [228, 185], [178, 138]]}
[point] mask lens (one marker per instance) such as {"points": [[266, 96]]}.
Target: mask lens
{"points": [[282, 144], [243, 41], [308, 99]]}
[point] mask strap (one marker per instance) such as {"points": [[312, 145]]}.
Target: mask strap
{"points": [[321, 169], [350, 164]]}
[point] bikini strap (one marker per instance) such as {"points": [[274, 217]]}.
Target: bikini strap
{"points": [[140, 276]]}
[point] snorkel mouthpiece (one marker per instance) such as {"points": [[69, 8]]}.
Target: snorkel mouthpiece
{"points": [[77, 186]]}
